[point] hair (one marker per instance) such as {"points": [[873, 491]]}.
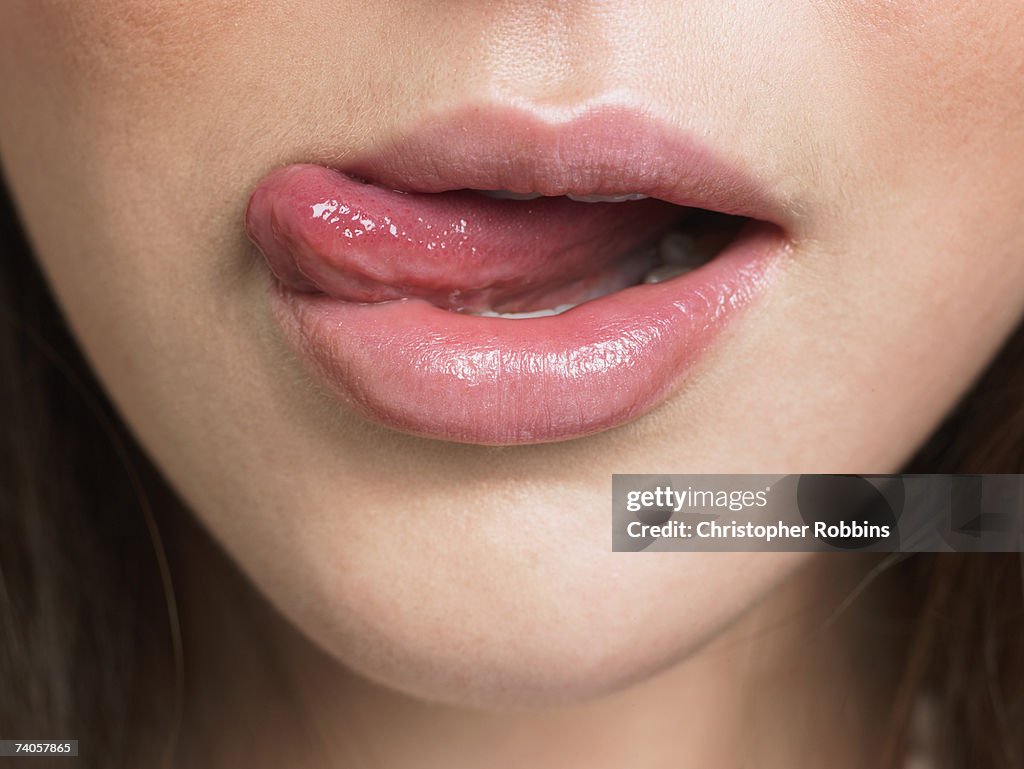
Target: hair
{"points": [[88, 644]]}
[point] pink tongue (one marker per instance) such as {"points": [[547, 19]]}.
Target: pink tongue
{"points": [[322, 231]]}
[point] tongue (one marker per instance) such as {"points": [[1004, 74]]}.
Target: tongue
{"points": [[322, 231]]}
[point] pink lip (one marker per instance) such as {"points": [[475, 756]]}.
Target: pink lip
{"points": [[373, 285]]}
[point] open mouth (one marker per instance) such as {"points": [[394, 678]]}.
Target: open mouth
{"points": [[662, 252], [511, 294], [492, 253]]}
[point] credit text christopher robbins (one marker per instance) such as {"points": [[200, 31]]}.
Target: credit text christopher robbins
{"points": [[765, 532]]}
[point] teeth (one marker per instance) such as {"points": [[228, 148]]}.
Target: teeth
{"points": [[666, 272], [506, 195], [522, 315], [606, 198]]}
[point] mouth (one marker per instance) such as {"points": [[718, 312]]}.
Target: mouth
{"points": [[494, 279]]}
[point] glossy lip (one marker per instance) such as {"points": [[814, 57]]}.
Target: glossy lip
{"points": [[425, 370]]}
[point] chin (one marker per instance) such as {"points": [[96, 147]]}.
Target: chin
{"points": [[520, 622]]}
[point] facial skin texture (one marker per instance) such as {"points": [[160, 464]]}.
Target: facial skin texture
{"points": [[132, 133]]}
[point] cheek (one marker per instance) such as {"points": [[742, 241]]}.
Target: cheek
{"points": [[139, 113], [91, 79], [119, 71], [932, 167], [129, 40], [955, 68]]}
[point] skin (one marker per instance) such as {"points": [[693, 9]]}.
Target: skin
{"points": [[131, 134]]}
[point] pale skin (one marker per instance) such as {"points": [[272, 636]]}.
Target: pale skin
{"points": [[131, 134]]}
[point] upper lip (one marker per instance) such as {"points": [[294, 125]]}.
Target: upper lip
{"points": [[604, 151]]}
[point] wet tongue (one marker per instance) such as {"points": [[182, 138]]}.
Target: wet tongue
{"points": [[460, 250]]}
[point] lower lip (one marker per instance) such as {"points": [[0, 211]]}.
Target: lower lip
{"points": [[427, 371]]}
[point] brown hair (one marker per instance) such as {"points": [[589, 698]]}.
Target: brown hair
{"points": [[967, 650], [85, 635], [88, 644]]}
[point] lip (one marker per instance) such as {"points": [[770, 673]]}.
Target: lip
{"points": [[415, 365]]}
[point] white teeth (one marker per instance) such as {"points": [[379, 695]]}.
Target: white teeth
{"points": [[506, 195], [521, 315], [666, 272], [606, 198], [680, 249]]}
